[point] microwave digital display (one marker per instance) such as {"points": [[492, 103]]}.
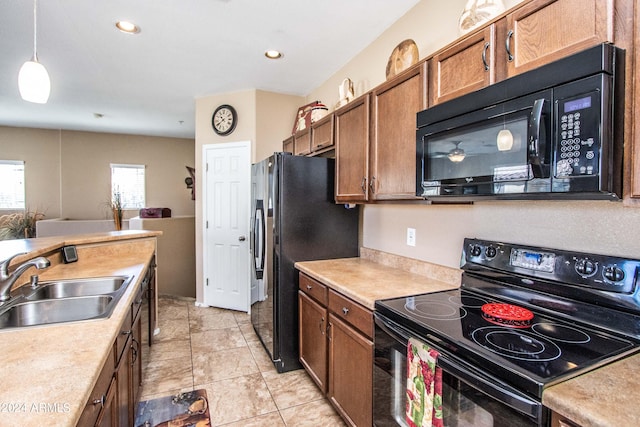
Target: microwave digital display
{"points": [[577, 104]]}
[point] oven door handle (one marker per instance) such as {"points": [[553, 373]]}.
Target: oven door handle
{"points": [[535, 149], [489, 386]]}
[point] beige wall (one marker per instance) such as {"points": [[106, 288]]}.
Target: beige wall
{"points": [[68, 172], [40, 150], [605, 227], [264, 119]]}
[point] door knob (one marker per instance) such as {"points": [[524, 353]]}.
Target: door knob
{"points": [[242, 238]]}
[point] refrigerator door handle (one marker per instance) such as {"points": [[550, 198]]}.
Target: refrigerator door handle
{"points": [[258, 239]]}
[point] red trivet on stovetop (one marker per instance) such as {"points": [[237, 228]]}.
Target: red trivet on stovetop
{"points": [[507, 315]]}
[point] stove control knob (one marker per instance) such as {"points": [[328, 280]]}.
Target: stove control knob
{"points": [[586, 267], [491, 252], [476, 250], [613, 273]]}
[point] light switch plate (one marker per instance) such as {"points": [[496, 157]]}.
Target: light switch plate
{"points": [[411, 236]]}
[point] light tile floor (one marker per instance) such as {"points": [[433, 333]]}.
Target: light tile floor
{"points": [[218, 350]]}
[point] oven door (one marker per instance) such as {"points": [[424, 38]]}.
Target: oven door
{"points": [[470, 398]]}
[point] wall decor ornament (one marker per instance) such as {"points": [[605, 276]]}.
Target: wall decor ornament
{"points": [[345, 90], [402, 57], [477, 12], [303, 117]]}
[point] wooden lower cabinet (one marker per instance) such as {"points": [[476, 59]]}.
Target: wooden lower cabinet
{"points": [[350, 373], [336, 349], [558, 420], [113, 401], [313, 341]]}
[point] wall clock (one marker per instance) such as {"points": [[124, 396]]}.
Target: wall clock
{"points": [[224, 120]]}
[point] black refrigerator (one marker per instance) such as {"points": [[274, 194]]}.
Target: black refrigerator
{"points": [[294, 218]]}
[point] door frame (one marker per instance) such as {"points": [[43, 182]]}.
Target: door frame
{"points": [[204, 189]]}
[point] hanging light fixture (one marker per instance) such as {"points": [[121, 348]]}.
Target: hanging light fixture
{"points": [[33, 79], [456, 155]]}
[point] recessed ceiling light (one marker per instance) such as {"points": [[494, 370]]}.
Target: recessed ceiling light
{"points": [[273, 54], [127, 27]]}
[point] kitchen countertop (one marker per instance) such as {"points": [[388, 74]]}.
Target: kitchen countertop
{"points": [[606, 397], [48, 372], [366, 281]]}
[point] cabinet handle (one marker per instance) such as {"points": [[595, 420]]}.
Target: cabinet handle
{"points": [[484, 56], [345, 310], [125, 332], [507, 45], [309, 287], [134, 349], [363, 185], [372, 185], [100, 401], [321, 328], [329, 326]]}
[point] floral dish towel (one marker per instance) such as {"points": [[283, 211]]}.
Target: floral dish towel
{"points": [[424, 386]]}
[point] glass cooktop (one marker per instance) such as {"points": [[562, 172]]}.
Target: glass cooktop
{"points": [[531, 352]]}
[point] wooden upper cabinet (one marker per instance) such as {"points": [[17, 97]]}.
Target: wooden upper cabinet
{"points": [[534, 34], [322, 135], [394, 106], [302, 143], [352, 143], [464, 67], [542, 31], [287, 145]]}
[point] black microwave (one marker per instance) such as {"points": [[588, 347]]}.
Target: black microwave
{"points": [[550, 133]]}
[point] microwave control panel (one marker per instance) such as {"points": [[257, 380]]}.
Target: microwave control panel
{"points": [[578, 136]]}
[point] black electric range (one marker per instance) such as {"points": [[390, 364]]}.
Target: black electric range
{"points": [[529, 316]]}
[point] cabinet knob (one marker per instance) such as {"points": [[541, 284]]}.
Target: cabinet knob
{"points": [[345, 310], [309, 287], [99, 401]]}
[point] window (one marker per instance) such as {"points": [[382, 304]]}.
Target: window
{"points": [[128, 182], [12, 184]]}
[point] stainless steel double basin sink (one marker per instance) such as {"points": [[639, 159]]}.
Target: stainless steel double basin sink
{"points": [[60, 301]]}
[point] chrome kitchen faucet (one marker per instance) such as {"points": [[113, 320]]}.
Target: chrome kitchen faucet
{"points": [[7, 279]]}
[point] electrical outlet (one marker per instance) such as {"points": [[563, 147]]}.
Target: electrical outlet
{"points": [[411, 236]]}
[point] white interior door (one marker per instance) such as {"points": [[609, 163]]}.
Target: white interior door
{"points": [[226, 201]]}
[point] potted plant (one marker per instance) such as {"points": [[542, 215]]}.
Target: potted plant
{"points": [[116, 208], [19, 225]]}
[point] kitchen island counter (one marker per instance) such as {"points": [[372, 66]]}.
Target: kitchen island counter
{"points": [[377, 275], [48, 372]]}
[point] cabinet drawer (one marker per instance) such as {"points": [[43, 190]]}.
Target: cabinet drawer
{"points": [[313, 288], [352, 312]]}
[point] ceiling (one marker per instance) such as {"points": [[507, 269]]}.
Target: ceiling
{"points": [[147, 83]]}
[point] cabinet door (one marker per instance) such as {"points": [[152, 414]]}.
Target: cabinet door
{"points": [[350, 373], [287, 145], [312, 318], [352, 148], [136, 362], [322, 135], [465, 67], [543, 31], [108, 415], [394, 106], [123, 381], [302, 143], [151, 300]]}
